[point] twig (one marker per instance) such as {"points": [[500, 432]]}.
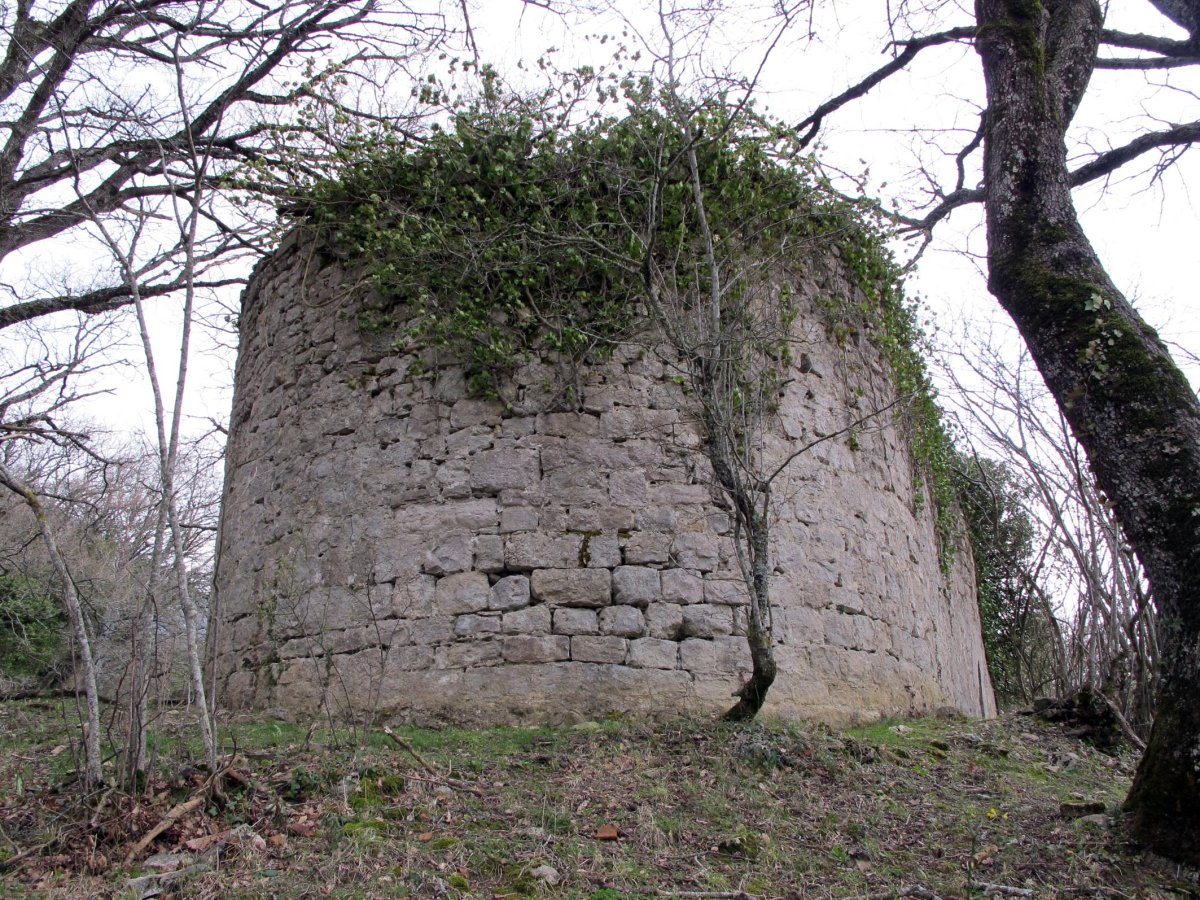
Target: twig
{"points": [[177, 812], [990, 890], [916, 891], [12, 861], [720, 895], [1124, 723], [455, 783], [411, 750]]}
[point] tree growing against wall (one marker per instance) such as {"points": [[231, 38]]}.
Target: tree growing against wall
{"points": [[687, 225]]}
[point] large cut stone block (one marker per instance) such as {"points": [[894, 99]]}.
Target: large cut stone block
{"points": [[493, 471], [610, 650], [704, 620], [664, 620], [622, 621], [719, 656], [530, 620], [636, 585], [696, 551], [511, 592], [572, 587], [682, 586], [568, 620], [652, 653], [536, 649], [526, 550], [464, 592]]}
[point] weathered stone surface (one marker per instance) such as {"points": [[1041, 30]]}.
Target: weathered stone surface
{"points": [[653, 653], [572, 587], [664, 621], [705, 620], [647, 548], [451, 554], [473, 625], [682, 586], [600, 552], [528, 648], [568, 620], [494, 470], [695, 551], [525, 551], [610, 650], [622, 621], [637, 585], [531, 620], [511, 592], [463, 592], [405, 549], [489, 553], [518, 518], [469, 654], [714, 657]]}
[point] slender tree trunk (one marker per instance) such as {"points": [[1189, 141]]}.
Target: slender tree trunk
{"points": [[1126, 401], [91, 739]]}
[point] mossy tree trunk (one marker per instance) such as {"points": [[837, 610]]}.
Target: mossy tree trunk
{"points": [[1127, 402]]}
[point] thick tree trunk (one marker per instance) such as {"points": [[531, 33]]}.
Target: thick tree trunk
{"points": [[1127, 402]]}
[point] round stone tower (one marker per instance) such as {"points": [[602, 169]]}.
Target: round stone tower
{"points": [[393, 547]]}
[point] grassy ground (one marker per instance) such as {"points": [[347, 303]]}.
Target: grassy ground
{"points": [[919, 808]]}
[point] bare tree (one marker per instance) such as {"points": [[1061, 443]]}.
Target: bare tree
{"points": [[1081, 575], [89, 126], [35, 389], [1121, 393]]}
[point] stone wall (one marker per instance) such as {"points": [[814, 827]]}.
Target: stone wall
{"points": [[392, 547]]}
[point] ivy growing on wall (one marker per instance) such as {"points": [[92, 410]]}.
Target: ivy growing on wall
{"points": [[506, 235]]}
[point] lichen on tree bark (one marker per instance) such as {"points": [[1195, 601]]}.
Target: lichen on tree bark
{"points": [[1128, 404]]}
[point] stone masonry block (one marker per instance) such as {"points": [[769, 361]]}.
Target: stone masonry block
{"points": [[530, 620], [469, 654], [536, 648], [601, 552], [622, 621], [518, 518], [652, 653], [644, 548], [488, 553], [471, 625], [664, 621], [464, 592], [704, 620], [451, 554], [572, 587], [682, 586], [526, 550], [610, 650], [495, 470], [696, 551], [636, 585], [628, 488], [731, 592], [412, 598], [720, 656], [431, 631], [510, 592], [569, 620]]}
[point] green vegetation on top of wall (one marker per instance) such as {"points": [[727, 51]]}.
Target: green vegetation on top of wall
{"points": [[507, 236]]}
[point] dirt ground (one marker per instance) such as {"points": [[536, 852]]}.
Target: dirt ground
{"points": [[921, 808]]}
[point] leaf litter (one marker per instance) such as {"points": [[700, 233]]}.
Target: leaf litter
{"points": [[924, 808]]}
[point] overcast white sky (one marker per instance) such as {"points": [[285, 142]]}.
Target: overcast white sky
{"points": [[1145, 232]]}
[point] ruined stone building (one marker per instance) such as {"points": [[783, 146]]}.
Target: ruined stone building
{"points": [[393, 546]]}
